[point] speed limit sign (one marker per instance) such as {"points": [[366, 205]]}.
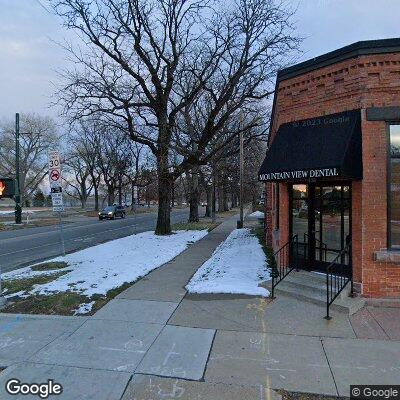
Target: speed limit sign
{"points": [[54, 160]]}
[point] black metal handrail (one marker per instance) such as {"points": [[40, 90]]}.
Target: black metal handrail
{"points": [[282, 260], [338, 274], [322, 245]]}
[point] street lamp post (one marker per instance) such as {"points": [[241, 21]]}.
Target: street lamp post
{"points": [[18, 207], [213, 204], [241, 166]]}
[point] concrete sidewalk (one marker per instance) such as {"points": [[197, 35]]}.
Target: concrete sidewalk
{"points": [[154, 341]]}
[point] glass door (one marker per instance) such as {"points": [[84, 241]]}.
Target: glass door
{"points": [[320, 222], [332, 223], [299, 224]]}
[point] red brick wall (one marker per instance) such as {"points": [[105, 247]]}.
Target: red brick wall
{"points": [[356, 231], [268, 213], [365, 81]]}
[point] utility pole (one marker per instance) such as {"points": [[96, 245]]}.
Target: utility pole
{"points": [[240, 222], [213, 205], [18, 207]]}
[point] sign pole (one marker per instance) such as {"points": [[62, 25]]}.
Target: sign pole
{"points": [[18, 208], [7, 189], [241, 162], [241, 179], [56, 191], [213, 194], [61, 233]]}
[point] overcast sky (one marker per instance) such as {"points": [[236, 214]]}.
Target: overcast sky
{"points": [[29, 57]]}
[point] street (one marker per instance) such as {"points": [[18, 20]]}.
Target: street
{"points": [[26, 246]]}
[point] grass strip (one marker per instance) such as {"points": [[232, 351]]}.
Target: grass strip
{"points": [[195, 226]]}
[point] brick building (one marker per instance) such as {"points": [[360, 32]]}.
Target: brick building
{"points": [[332, 169]]}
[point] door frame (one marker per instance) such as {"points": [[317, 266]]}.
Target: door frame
{"points": [[311, 263]]}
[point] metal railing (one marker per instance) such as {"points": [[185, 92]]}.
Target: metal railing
{"points": [[338, 274], [323, 247], [283, 262]]}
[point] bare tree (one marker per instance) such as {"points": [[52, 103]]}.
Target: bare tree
{"points": [[38, 135], [83, 159], [114, 161], [146, 61], [88, 146], [77, 177]]}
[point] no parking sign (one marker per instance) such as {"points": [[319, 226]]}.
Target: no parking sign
{"points": [[55, 180], [56, 189]]}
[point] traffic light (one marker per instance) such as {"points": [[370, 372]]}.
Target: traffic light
{"points": [[7, 187]]}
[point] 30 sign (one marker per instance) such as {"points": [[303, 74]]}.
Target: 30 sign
{"points": [[54, 160], [7, 187]]}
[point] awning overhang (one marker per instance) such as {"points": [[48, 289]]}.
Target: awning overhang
{"points": [[327, 147]]}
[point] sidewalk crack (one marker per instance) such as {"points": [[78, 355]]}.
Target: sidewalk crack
{"points": [[383, 329], [329, 365]]}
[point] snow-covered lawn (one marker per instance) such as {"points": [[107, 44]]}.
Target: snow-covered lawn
{"points": [[237, 266], [97, 269], [256, 214], [11, 212]]}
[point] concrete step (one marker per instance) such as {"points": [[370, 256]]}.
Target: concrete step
{"points": [[311, 287], [312, 282]]}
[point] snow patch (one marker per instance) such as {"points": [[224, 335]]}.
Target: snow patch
{"points": [[256, 214], [237, 266], [26, 272], [22, 294], [11, 212], [84, 308], [98, 269]]}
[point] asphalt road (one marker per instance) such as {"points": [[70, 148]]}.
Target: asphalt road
{"points": [[19, 248]]}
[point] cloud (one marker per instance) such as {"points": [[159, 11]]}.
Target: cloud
{"points": [[29, 57]]}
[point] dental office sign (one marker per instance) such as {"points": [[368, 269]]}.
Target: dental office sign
{"points": [[300, 174]]}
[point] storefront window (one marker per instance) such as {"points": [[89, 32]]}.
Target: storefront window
{"points": [[394, 187]]}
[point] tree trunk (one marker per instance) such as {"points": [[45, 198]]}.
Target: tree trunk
{"points": [[220, 196], [173, 195], [233, 200], [132, 196], [120, 190], [163, 226], [164, 207], [96, 198], [225, 198], [96, 190], [83, 195], [111, 195], [214, 196], [194, 197], [209, 201]]}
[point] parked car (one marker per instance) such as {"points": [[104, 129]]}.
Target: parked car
{"points": [[112, 212]]}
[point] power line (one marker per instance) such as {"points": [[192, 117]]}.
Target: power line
{"points": [[43, 6]]}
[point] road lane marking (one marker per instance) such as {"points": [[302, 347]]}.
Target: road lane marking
{"points": [[72, 240], [71, 228], [66, 228]]}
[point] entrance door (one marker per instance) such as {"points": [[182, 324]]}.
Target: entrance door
{"points": [[299, 225], [321, 219]]}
